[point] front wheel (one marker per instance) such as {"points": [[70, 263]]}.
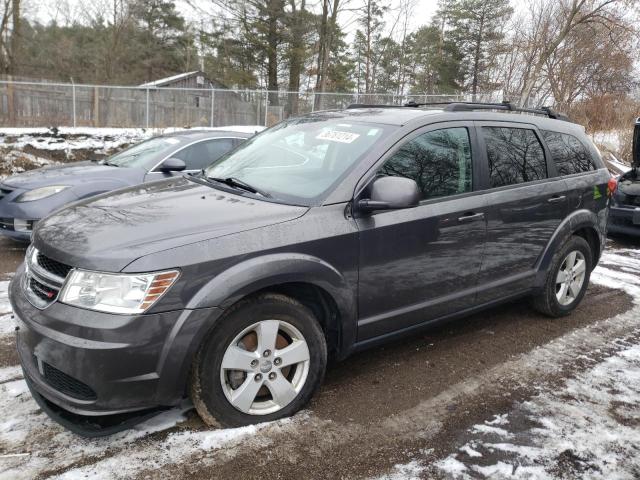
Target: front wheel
{"points": [[567, 279], [263, 361]]}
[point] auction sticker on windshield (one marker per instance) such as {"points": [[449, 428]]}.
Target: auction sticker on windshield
{"points": [[338, 136]]}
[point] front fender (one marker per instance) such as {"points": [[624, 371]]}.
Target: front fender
{"points": [[257, 273]]}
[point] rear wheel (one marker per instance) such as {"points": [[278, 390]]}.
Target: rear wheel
{"points": [[263, 361], [567, 279]]}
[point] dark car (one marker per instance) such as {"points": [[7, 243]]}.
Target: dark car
{"points": [[624, 217], [319, 237], [30, 196]]}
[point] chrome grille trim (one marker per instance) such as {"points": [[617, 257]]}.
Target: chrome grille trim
{"points": [[34, 271]]}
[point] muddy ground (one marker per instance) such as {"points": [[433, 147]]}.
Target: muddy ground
{"points": [[392, 411]]}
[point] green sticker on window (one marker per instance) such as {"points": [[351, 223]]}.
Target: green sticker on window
{"points": [[596, 193]]}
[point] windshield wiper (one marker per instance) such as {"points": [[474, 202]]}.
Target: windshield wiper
{"points": [[237, 183], [111, 164]]}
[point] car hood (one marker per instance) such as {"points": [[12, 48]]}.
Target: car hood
{"points": [[109, 231], [70, 174]]}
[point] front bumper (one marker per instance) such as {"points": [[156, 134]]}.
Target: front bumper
{"points": [[621, 220], [18, 218], [95, 364]]}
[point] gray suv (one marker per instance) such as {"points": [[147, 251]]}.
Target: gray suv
{"points": [[315, 239]]}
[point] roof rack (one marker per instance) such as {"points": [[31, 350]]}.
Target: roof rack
{"points": [[471, 106]]}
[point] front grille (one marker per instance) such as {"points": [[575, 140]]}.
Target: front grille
{"points": [[43, 292], [43, 279], [67, 384], [53, 266]]}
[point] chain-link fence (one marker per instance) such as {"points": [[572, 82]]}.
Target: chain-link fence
{"points": [[37, 104]]}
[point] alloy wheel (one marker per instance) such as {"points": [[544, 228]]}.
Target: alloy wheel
{"points": [[265, 367], [570, 277]]}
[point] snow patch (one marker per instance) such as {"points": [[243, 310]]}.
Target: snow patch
{"points": [[588, 428]]}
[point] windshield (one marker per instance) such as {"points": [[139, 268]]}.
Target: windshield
{"points": [[143, 154], [299, 160]]}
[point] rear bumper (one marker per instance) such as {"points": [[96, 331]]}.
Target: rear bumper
{"points": [[95, 364], [621, 221]]}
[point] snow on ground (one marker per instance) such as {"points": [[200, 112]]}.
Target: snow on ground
{"points": [[102, 140], [610, 140], [16, 161], [586, 429]]}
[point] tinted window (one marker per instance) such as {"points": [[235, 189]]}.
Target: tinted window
{"points": [[515, 156], [202, 154], [569, 154], [439, 162]]}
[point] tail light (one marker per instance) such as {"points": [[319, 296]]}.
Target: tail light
{"points": [[612, 185]]}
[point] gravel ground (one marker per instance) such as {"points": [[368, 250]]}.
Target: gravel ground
{"points": [[502, 394]]}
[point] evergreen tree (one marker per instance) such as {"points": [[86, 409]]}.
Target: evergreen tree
{"points": [[477, 27]]}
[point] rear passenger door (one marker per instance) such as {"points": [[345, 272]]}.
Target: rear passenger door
{"points": [[526, 203], [586, 188]]}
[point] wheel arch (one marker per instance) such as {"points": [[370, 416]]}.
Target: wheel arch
{"points": [[310, 280], [583, 223]]}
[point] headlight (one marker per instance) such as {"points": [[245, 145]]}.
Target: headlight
{"points": [[40, 193], [116, 293]]}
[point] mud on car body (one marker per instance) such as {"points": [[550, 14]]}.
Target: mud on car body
{"points": [[319, 237]]}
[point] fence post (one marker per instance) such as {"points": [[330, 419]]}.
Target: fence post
{"points": [[266, 106], [147, 110], [96, 106], [213, 96], [11, 102], [258, 110], [73, 100]]}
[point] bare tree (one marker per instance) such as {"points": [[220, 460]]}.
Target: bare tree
{"points": [[550, 23]]}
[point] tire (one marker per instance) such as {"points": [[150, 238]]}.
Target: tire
{"points": [[550, 301], [241, 339]]}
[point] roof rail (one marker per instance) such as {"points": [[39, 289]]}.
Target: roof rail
{"points": [[470, 106], [373, 105]]}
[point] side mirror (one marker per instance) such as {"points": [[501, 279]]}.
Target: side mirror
{"points": [[172, 165], [391, 193], [635, 153]]}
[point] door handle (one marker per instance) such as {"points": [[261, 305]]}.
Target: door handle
{"points": [[471, 217], [556, 199]]}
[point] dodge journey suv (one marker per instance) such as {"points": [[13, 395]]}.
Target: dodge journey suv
{"points": [[317, 238]]}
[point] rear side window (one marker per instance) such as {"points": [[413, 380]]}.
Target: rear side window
{"points": [[439, 162], [515, 156], [569, 154]]}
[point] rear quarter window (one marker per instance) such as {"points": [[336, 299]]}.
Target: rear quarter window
{"points": [[569, 154]]}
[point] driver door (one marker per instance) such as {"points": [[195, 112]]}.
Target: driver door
{"points": [[422, 263]]}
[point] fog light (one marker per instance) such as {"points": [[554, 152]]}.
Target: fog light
{"points": [[20, 225]]}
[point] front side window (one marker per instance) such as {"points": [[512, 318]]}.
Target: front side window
{"points": [[143, 154], [202, 154], [439, 161], [569, 154], [299, 160], [515, 156]]}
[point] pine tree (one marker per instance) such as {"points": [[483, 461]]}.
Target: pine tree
{"points": [[477, 27]]}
